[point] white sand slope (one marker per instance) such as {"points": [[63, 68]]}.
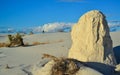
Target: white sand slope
{"points": [[56, 44]]}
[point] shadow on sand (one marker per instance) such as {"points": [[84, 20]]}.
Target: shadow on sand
{"points": [[102, 68], [117, 53]]}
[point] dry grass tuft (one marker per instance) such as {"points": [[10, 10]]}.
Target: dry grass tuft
{"points": [[50, 56], [63, 66], [61, 40], [44, 43], [4, 45], [36, 43]]}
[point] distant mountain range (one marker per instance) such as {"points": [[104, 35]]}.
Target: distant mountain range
{"points": [[53, 27]]}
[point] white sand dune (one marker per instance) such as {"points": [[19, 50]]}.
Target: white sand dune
{"points": [[115, 38], [56, 44]]}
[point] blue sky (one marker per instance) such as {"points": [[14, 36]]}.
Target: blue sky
{"points": [[26, 13]]}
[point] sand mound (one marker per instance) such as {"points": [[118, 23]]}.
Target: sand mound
{"points": [[64, 66]]}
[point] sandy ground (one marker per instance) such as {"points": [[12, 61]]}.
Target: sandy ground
{"points": [[57, 44]]}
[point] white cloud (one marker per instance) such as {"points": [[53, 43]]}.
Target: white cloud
{"points": [[113, 23], [57, 27], [54, 27], [114, 26]]}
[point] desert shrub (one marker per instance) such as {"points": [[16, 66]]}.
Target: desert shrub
{"points": [[15, 40]]}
